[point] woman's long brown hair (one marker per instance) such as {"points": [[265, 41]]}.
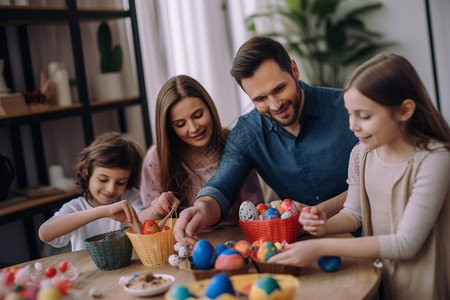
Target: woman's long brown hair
{"points": [[170, 148]]}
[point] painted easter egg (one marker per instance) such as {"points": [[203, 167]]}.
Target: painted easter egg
{"points": [[228, 260], [272, 214], [329, 263], [261, 208], [179, 292], [288, 206], [220, 248], [183, 251], [276, 204], [174, 260], [204, 255], [263, 288], [266, 251], [243, 247], [286, 215], [247, 211], [218, 285]]}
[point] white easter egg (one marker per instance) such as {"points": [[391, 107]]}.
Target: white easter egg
{"points": [[174, 260], [247, 211], [183, 251], [177, 246], [39, 267]]}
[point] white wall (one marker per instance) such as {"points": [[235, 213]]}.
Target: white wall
{"points": [[409, 29]]}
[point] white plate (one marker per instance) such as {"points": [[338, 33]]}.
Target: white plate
{"points": [[154, 290]]}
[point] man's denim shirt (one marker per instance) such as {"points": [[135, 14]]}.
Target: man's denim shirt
{"points": [[309, 168]]}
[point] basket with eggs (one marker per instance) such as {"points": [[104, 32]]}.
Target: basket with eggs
{"points": [[154, 244], [277, 223]]}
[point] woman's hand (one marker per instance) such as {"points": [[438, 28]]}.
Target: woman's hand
{"points": [[313, 220], [164, 203], [300, 254]]}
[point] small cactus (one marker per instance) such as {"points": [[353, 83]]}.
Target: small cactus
{"points": [[110, 58]]}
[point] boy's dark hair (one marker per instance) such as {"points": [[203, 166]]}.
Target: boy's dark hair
{"points": [[109, 150], [254, 52]]}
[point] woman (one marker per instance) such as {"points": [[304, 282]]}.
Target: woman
{"points": [[190, 141]]}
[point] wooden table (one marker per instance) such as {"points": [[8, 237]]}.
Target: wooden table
{"points": [[355, 278]]}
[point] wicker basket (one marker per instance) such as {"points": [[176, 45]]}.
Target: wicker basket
{"points": [[111, 250], [275, 268], [154, 249], [204, 274], [277, 230]]}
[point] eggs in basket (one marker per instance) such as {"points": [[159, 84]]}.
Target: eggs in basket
{"points": [[276, 223]]}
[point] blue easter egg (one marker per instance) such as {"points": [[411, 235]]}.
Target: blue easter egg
{"points": [[218, 285], [329, 263], [179, 292], [203, 255], [220, 248]]}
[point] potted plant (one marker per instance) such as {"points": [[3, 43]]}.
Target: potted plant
{"points": [[329, 41], [109, 82]]}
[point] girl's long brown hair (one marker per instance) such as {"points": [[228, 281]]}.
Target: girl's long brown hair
{"points": [[170, 148], [389, 79]]}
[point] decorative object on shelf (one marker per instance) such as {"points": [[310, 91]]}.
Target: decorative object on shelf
{"points": [[57, 179], [329, 40], [11, 104], [58, 74], [109, 82], [3, 87], [6, 176]]}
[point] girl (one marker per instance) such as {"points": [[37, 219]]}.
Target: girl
{"points": [[398, 185], [190, 141], [107, 173]]}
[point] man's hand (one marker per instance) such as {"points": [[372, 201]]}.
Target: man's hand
{"points": [[192, 220]]}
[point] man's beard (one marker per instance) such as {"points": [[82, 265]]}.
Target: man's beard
{"points": [[295, 108]]}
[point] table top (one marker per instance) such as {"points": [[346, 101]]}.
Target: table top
{"points": [[355, 278]]}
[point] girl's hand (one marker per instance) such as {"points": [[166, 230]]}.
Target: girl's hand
{"points": [[164, 203], [298, 254], [313, 220]]}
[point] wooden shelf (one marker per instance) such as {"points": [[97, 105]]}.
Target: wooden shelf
{"points": [[19, 207]]}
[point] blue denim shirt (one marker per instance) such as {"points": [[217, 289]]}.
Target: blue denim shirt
{"points": [[309, 168]]}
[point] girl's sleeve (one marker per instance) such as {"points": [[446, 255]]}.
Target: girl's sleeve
{"points": [[352, 204], [430, 190], [150, 178]]}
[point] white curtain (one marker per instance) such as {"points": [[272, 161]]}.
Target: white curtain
{"points": [[198, 38]]}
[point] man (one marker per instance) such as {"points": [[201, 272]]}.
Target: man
{"points": [[297, 138]]}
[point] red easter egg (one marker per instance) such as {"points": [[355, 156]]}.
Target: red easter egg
{"points": [[229, 259]]}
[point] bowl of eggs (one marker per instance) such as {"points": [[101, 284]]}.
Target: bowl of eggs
{"points": [[244, 286], [206, 260], [154, 249], [276, 223], [260, 254]]}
